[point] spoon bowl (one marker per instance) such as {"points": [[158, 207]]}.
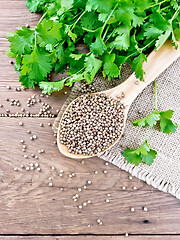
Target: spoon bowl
{"points": [[157, 62]]}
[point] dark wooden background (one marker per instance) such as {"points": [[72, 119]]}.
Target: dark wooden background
{"points": [[30, 209]]}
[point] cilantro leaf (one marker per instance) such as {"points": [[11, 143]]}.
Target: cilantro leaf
{"points": [[48, 32], [37, 64], [27, 82], [166, 124], [143, 154], [137, 65], [21, 41], [92, 65], [49, 87], [150, 120], [152, 32], [122, 41], [159, 21], [162, 39], [109, 67], [98, 47], [36, 5]]}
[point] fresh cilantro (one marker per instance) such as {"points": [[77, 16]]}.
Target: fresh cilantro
{"points": [[114, 32], [150, 120], [166, 125], [140, 155], [164, 118], [144, 154]]}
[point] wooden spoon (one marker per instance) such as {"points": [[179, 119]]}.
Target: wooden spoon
{"points": [[156, 63]]}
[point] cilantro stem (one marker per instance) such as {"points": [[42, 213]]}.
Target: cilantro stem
{"points": [[175, 15], [108, 18], [156, 101], [149, 134], [73, 26], [106, 32], [142, 49], [43, 16], [159, 3]]}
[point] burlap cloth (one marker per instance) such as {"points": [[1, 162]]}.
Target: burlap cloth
{"points": [[164, 173]]}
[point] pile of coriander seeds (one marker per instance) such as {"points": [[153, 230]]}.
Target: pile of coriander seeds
{"points": [[91, 124]]}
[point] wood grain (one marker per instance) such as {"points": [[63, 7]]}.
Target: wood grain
{"points": [[30, 206], [166, 237]]}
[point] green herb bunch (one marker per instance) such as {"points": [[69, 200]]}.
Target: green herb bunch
{"points": [[115, 31], [144, 154]]}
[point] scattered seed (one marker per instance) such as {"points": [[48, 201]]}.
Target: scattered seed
{"points": [[89, 182], [105, 171], [15, 169], [107, 200], [53, 168], [145, 209], [41, 124], [132, 209], [126, 234], [50, 184], [79, 189], [38, 169], [123, 188], [106, 163], [108, 194], [130, 177], [22, 141], [82, 162], [27, 168], [25, 156], [20, 124], [135, 188], [80, 206], [34, 137], [96, 172]]}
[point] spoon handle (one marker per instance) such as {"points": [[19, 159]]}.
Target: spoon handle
{"points": [[156, 63]]}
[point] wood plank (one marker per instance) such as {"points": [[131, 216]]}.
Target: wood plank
{"points": [[29, 206], [152, 237]]}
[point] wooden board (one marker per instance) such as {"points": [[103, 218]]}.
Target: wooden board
{"points": [[30, 206], [167, 237]]}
